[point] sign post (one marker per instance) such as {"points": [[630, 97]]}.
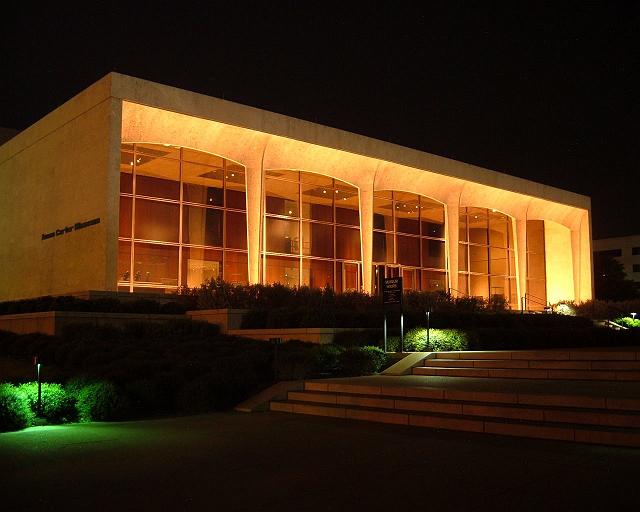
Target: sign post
{"points": [[392, 295]]}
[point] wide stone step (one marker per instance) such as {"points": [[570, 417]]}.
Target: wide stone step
{"points": [[529, 373], [491, 425], [468, 408], [557, 355], [543, 364], [429, 393]]}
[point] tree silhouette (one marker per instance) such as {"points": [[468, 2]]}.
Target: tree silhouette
{"points": [[611, 281]]}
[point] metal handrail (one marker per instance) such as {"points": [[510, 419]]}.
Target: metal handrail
{"points": [[528, 298], [464, 294]]}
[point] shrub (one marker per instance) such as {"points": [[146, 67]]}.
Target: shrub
{"points": [[439, 340], [57, 405], [378, 357], [15, 412], [325, 358], [628, 322], [362, 360], [98, 401], [364, 338]]}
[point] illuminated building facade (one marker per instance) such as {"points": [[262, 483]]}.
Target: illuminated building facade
{"points": [[136, 186]]}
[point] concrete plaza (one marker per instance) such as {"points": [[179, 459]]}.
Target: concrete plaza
{"points": [[272, 461]]}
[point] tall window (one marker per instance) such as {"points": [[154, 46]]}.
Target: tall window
{"points": [[536, 265], [312, 231], [486, 256], [408, 235], [182, 218]]}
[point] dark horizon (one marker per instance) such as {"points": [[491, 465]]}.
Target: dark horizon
{"points": [[546, 94]]}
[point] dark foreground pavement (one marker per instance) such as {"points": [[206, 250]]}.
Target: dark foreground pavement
{"points": [[271, 461]]}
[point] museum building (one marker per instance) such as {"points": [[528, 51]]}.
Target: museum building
{"points": [[134, 186]]}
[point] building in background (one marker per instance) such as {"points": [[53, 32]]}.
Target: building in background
{"points": [[625, 249], [135, 186]]}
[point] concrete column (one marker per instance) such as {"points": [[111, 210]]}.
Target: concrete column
{"points": [[452, 220], [576, 260], [521, 257], [586, 259], [366, 235], [254, 218]]}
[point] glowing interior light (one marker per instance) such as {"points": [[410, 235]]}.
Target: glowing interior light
{"points": [[337, 191], [233, 174], [131, 162], [290, 212], [324, 191]]}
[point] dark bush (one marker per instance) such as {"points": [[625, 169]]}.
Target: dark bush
{"points": [[369, 337], [490, 338], [15, 413], [325, 359], [362, 360], [178, 306], [99, 401]]}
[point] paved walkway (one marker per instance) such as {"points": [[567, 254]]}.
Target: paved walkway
{"points": [[271, 461]]}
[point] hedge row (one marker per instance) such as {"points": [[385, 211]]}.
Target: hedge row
{"points": [[104, 305], [177, 368], [523, 337]]}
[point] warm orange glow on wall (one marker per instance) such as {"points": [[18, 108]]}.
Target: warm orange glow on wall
{"points": [[257, 151], [559, 261]]}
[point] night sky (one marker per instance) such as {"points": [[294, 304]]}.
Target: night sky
{"points": [[547, 93]]}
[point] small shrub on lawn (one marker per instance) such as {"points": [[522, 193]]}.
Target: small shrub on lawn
{"points": [[628, 322], [362, 360], [15, 413], [57, 405]]}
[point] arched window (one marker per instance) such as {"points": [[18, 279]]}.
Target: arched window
{"points": [[182, 218], [408, 240], [312, 231], [486, 256]]}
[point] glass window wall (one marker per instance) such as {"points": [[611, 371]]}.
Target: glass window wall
{"points": [[408, 232], [312, 230], [486, 256], [182, 218]]}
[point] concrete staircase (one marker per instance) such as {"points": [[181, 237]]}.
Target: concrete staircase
{"points": [[587, 411], [560, 365]]}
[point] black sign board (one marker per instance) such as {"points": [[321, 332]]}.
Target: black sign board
{"points": [[392, 290]]}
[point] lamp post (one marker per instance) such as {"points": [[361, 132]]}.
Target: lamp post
{"points": [[428, 313], [633, 316], [39, 403]]}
